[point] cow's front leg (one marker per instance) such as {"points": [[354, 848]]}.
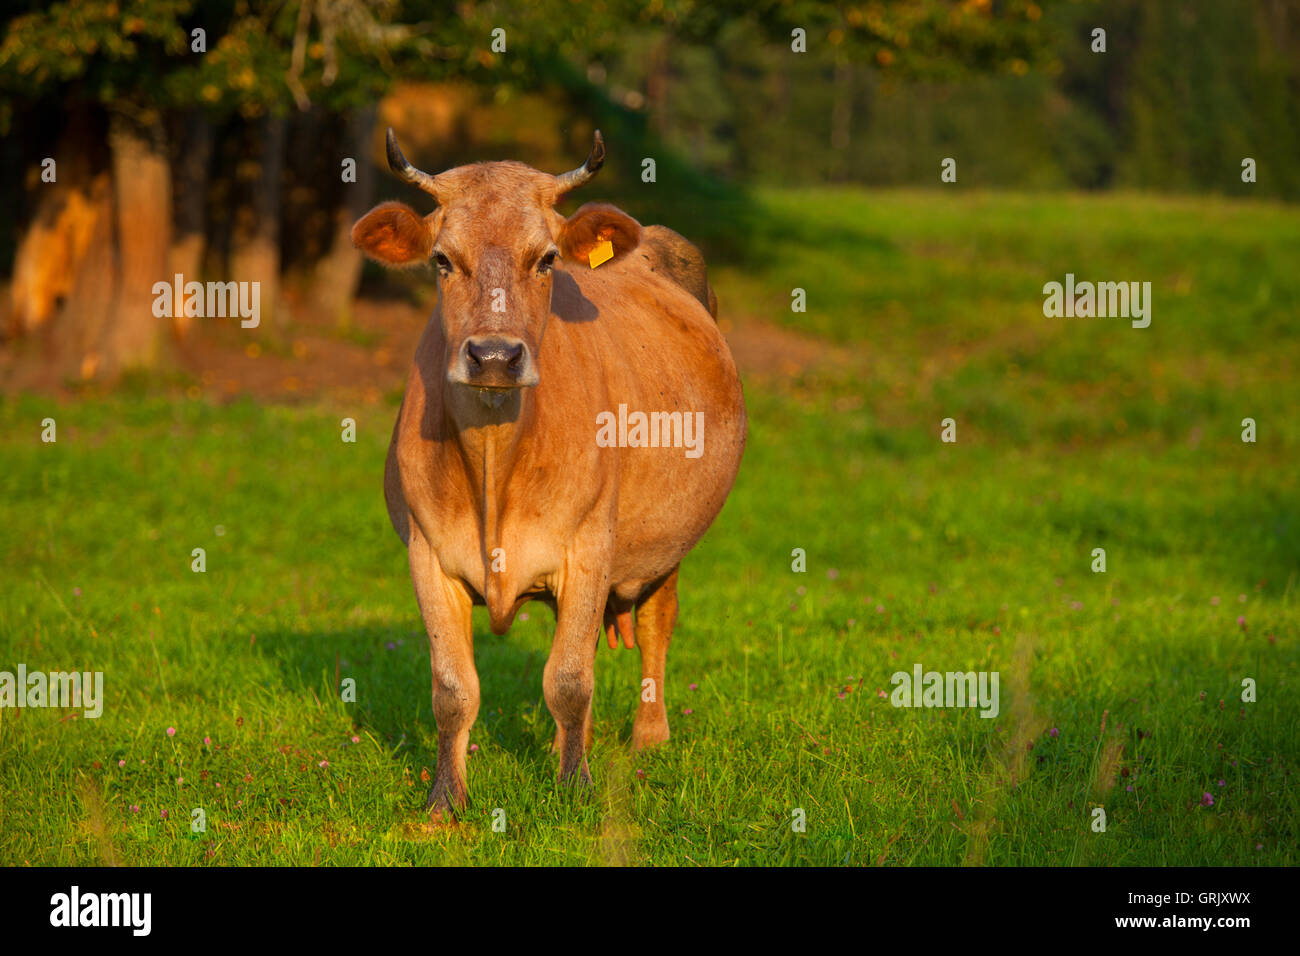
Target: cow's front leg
{"points": [[569, 677], [445, 606]]}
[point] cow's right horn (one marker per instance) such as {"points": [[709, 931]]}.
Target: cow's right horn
{"points": [[576, 177], [402, 167]]}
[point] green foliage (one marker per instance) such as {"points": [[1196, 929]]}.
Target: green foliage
{"points": [[1072, 434], [264, 56], [1183, 92]]}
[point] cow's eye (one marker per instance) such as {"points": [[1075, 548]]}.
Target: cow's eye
{"points": [[547, 262], [442, 262]]}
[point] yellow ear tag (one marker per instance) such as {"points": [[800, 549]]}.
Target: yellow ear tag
{"points": [[603, 251]]}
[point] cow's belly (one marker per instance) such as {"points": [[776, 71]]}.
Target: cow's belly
{"points": [[667, 502]]}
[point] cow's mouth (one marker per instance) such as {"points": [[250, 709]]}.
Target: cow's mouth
{"points": [[493, 397]]}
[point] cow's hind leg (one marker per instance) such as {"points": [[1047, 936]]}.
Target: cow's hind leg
{"points": [[655, 616], [446, 607]]}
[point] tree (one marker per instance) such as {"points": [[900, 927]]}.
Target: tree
{"points": [[179, 113]]}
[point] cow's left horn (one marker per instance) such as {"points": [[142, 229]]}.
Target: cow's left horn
{"points": [[402, 167], [575, 178]]}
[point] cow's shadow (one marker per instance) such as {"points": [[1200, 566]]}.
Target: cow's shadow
{"points": [[390, 667]]}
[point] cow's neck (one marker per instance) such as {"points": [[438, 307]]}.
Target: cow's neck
{"points": [[490, 440]]}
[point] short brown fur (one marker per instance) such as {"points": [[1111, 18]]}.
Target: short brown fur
{"points": [[393, 234], [504, 495]]}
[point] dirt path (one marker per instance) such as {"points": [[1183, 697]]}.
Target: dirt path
{"points": [[315, 361]]}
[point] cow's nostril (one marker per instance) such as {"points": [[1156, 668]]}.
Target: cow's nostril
{"points": [[497, 361]]}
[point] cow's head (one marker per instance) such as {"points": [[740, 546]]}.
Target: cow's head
{"points": [[494, 240]]}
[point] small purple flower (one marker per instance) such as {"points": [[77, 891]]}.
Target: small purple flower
{"points": [[1223, 783], [164, 815], [1129, 788], [641, 774], [841, 695], [121, 763], [1241, 623], [473, 748], [171, 731], [207, 741], [356, 739], [135, 808], [1054, 732], [391, 646], [180, 780], [1207, 800], [695, 687], [688, 711], [323, 764]]}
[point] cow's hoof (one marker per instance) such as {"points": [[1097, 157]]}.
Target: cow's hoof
{"points": [[579, 779], [440, 820], [649, 734], [444, 801]]}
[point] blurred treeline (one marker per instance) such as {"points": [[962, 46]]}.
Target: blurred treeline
{"points": [[1185, 90], [211, 139]]}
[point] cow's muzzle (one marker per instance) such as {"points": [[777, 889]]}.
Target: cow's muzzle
{"points": [[494, 362]]}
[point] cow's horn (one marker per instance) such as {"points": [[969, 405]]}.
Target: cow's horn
{"points": [[402, 167], [575, 178]]}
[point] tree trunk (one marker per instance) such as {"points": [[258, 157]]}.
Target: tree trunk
{"points": [[255, 234], [336, 276], [842, 116], [51, 250], [191, 159], [142, 214], [658, 79], [78, 334]]}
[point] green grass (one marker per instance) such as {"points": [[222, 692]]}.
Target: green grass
{"points": [[1072, 435]]}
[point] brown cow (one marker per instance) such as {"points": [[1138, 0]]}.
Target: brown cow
{"points": [[504, 477]]}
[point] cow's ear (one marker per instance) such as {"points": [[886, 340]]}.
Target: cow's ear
{"points": [[588, 229], [395, 234]]}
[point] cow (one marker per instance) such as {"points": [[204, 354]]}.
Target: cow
{"points": [[504, 478]]}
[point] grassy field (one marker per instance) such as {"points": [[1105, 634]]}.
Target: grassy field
{"points": [[1120, 690]]}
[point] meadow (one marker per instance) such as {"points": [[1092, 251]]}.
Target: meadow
{"points": [[1120, 690]]}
